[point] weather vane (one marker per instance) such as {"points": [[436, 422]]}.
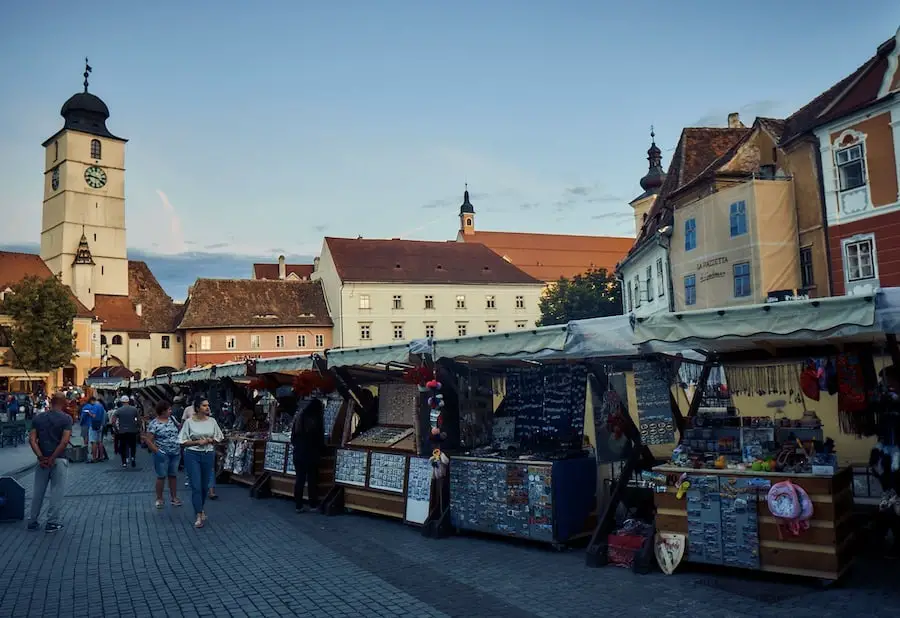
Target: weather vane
{"points": [[87, 71], [652, 133]]}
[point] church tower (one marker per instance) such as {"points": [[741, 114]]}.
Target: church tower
{"points": [[83, 220], [651, 183], [466, 215]]}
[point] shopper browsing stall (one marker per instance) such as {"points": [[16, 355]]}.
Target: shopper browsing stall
{"points": [[308, 438]]}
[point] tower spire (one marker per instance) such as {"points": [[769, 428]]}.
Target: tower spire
{"points": [[87, 71], [655, 177]]}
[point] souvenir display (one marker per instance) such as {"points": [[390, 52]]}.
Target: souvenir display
{"points": [[652, 387], [382, 436], [289, 467], [397, 403], [350, 467], [332, 409], [547, 404], [418, 490], [386, 472], [276, 452], [669, 551]]}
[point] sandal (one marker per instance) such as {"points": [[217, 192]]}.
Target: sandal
{"points": [[198, 523], [203, 516], [177, 502], [159, 504]]}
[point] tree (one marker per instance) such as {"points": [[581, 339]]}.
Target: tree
{"points": [[593, 294], [42, 311]]}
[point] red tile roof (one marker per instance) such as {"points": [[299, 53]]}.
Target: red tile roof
{"points": [[550, 256], [16, 266], [159, 313], [699, 148], [417, 261], [270, 271], [117, 314], [852, 93], [220, 303]]}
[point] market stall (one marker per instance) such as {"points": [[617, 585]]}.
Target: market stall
{"points": [[377, 469], [763, 480], [524, 465]]}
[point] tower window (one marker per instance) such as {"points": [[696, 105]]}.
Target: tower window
{"points": [[95, 238], [95, 149], [101, 268], [117, 340], [469, 222], [56, 150]]}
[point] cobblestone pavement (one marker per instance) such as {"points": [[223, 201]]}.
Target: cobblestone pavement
{"points": [[15, 458], [117, 556]]}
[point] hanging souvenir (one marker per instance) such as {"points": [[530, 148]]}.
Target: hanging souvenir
{"points": [[809, 381]]}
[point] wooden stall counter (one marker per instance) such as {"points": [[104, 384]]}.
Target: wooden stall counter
{"points": [[727, 521]]}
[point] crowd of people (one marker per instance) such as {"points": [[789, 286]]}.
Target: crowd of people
{"points": [[188, 439]]}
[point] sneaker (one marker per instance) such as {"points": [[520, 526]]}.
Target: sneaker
{"points": [[34, 526], [187, 483], [159, 504], [124, 465], [52, 528]]}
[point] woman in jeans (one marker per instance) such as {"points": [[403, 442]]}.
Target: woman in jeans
{"points": [[162, 440], [199, 435]]}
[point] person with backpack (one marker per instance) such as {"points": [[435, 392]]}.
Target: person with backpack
{"points": [[308, 440], [98, 420], [85, 414]]}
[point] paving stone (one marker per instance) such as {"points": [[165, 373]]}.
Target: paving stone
{"points": [[258, 558]]}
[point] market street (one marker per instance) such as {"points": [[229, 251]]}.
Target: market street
{"points": [[117, 556]]}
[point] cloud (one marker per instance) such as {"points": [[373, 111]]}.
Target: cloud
{"points": [[607, 197], [320, 228], [218, 245], [579, 191], [176, 235], [614, 215], [528, 206]]}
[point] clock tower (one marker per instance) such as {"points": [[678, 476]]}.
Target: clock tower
{"points": [[84, 200]]}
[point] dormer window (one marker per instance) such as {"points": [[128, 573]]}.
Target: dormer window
{"points": [[95, 149]]}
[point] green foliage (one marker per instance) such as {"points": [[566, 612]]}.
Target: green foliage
{"points": [[593, 294], [43, 312]]}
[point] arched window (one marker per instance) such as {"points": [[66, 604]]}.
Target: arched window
{"points": [[102, 339], [117, 340], [95, 149]]}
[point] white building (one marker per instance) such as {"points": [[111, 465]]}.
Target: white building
{"points": [[644, 272], [387, 291]]}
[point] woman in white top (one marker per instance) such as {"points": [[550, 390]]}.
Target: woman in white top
{"points": [[198, 436]]}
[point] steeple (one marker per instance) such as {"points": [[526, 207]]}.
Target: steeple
{"points": [[655, 177], [466, 215], [83, 256], [466, 206]]}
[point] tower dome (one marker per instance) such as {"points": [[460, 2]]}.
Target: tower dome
{"points": [[86, 112], [655, 176]]}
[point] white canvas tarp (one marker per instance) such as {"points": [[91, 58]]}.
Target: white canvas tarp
{"points": [[518, 344], [735, 328]]}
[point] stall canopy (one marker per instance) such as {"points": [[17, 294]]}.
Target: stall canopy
{"points": [[522, 344], [375, 355], [782, 324], [609, 337], [283, 364]]}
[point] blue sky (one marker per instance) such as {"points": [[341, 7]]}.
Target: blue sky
{"points": [[267, 125]]}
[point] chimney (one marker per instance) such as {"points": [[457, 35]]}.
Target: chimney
{"points": [[139, 309], [282, 271], [316, 265], [734, 121]]}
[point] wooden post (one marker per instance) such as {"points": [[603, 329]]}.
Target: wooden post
{"points": [[894, 349]]}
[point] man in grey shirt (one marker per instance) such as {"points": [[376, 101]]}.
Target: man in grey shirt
{"points": [[128, 425], [50, 435]]}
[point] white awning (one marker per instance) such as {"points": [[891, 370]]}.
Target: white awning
{"points": [[785, 324], [522, 344], [376, 355], [284, 363], [609, 337]]}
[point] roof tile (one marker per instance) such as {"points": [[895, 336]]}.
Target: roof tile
{"points": [[16, 266], [417, 261], [270, 271], [219, 303]]}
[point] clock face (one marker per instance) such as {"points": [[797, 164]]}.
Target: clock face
{"points": [[54, 179], [95, 177]]}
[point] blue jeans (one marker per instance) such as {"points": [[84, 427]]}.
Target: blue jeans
{"points": [[165, 464], [200, 468]]}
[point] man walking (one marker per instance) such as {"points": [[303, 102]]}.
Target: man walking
{"points": [[98, 421], [84, 421], [50, 434], [128, 425]]}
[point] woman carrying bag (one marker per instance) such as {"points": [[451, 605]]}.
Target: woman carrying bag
{"points": [[199, 435]]}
